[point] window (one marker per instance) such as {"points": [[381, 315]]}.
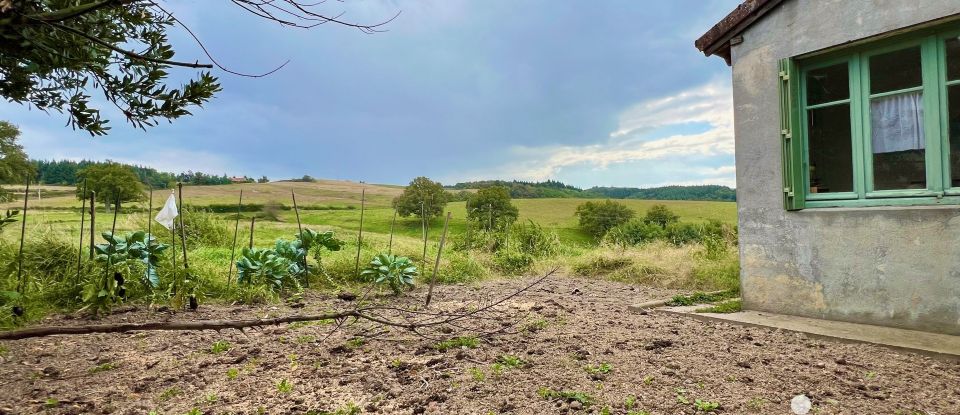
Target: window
{"points": [[873, 125]]}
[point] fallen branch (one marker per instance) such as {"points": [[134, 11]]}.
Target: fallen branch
{"points": [[361, 313]]}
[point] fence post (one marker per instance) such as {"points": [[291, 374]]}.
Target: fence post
{"points": [[393, 225], [23, 234], [83, 215], [183, 235], [423, 225], [149, 232], [363, 199], [253, 220], [436, 265], [233, 246], [93, 221], [296, 210]]}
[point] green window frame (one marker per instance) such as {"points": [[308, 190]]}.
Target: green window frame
{"points": [[794, 135]]}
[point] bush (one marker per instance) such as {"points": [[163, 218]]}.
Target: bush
{"points": [[634, 233], [461, 268], [513, 262], [661, 216], [601, 265], [202, 228], [596, 218], [531, 238], [684, 233]]}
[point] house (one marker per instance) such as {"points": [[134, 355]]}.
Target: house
{"points": [[847, 123], [235, 179]]}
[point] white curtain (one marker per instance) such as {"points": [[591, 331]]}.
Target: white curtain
{"points": [[896, 122]]}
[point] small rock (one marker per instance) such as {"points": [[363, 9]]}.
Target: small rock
{"points": [[347, 296], [576, 405]]}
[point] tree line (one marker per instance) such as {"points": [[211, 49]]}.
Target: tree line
{"points": [[555, 189], [68, 172]]}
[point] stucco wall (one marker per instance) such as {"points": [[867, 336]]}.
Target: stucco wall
{"points": [[888, 266]]}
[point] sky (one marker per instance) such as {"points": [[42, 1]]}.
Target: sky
{"points": [[599, 93]]}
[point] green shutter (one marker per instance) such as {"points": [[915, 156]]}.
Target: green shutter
{"points": [[791, 144]]}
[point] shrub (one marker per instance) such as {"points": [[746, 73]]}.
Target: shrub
{"points": [[602, 265], [204, 228], [596, 218], [634, 233], [461, 268], [661, 215], [513, 262], [531, 238]]}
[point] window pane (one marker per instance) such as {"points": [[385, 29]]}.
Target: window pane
{"points": [[828, 84], [831, 154], [898, 142], [895, 70], [953, 59], [953, 119]]}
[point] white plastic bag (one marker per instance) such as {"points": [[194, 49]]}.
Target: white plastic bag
{"points": [[168, 213]]}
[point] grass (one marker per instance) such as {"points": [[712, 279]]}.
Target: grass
{"points": [[456, 343], [726, 307], [570, 396]]}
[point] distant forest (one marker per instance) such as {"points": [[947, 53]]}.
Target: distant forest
{"points": [[64, 172], [555, 189]]}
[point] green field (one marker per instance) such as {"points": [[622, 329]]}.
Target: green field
{"points": [[62, 211]]}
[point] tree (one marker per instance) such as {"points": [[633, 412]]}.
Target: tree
{"points": [[660, 215], [263, 179], [596, 218], [14, 165], [109, 180], [491, 207], [423, 191], [54, 52]]}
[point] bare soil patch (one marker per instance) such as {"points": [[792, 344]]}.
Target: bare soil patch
{"points": [[572, 329]]}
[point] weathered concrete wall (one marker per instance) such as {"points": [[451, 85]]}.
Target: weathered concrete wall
{"points": [[888, 266]]}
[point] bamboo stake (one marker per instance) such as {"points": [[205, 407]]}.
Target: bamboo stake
{"points": [[436, 265], [233, 246], [83, 215], [113, 231], [363, 198], [296, 210], [149, 231], [392, 226], [93, 221], [183, 236], [423, 226], [252, 221], [23, 234]]}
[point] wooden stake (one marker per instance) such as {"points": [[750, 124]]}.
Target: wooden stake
{"points": [[296, 210], [253, 220], [183, 235], [83, 215], [23, 234], [363, 198], [436, 265], [93, 221], [392, 226], [423, 225], [113, 231], [233, 246], [149, 231]]}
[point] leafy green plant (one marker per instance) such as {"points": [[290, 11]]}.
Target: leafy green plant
{"points": [[600, 369], [477, 374], [584, 398], [219, 346], [170, 393], [706, 406], [456, 343], [285, 266], [10, 216], [284, 386], [395, 271], [233, 373], [137, 245], [103, 367]]}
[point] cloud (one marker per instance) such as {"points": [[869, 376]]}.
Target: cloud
{"points": [[689, 127]]}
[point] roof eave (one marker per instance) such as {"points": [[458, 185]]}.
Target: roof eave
{"points": [[717, 40]]}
